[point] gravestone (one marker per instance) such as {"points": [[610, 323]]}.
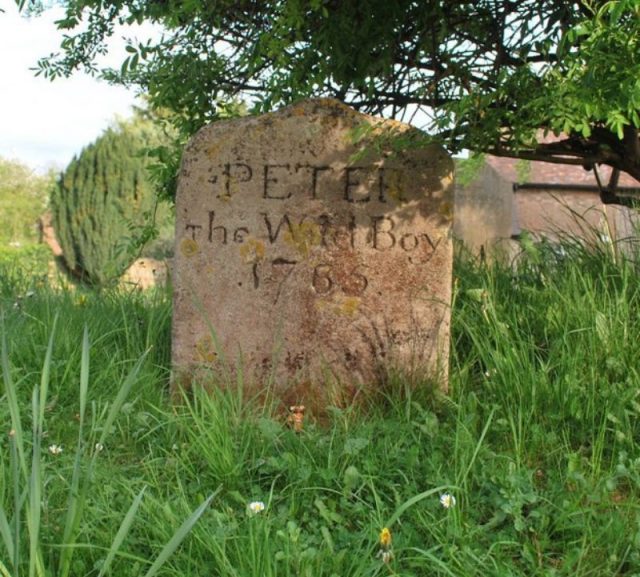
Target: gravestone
{"points": [[309, 256]]}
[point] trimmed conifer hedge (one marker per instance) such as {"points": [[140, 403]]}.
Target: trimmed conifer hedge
{"points": [[102, 199]]}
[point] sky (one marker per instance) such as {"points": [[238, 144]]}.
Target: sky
{"points": [[44, 123]]}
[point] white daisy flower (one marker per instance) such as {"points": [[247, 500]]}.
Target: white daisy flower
{"points": [[256, 507], [55, 449], [447, 500]]}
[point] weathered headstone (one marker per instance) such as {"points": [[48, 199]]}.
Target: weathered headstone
{"points": [[309, 256]]}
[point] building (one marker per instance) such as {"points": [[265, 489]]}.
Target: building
{"points": [[507, 196]]}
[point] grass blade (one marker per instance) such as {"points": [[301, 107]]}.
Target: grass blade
{"points": [[5, 532], [122, 532], [39, 401], [415, 499], [17, 502], [75, 501], [75, 505], [12, 399], [84, 376], [4, 572], [77, 494], [121, 397], [45, 377], [35, 487], [476, 450], [180, 535]]}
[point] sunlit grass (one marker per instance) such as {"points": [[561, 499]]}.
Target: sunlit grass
{"points": [[530, 466]]}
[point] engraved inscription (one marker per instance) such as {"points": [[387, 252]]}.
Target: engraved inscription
{"points": [[355, 184], [234, 174], [380, 233], [325, 280], [270, 180]]}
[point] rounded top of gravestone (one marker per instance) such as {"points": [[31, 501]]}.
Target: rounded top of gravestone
{"points": [[326, 129]]}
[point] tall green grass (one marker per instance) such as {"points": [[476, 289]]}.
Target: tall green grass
{"points": [[537, 442], [20, 524]]}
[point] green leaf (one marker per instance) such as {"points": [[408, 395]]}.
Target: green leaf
{"points": [[355, 445], [616, 9]]}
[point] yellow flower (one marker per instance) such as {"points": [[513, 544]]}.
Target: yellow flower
{"points": [[385, 538], [385, 551]]}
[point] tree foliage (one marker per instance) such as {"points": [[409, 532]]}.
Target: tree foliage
{"points": [[486, 75], [23, 199], [102, 202]]}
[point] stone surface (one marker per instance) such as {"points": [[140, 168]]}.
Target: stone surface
{"points": [[484, 215], [146, 273], [311, 257]]}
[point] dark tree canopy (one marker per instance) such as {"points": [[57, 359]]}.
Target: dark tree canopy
{"points": [[485, 75]]}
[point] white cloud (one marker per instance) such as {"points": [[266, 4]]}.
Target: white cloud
{"points": [[44, 123]]}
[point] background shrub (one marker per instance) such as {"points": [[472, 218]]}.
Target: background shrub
{"points": [[103, 202]]}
